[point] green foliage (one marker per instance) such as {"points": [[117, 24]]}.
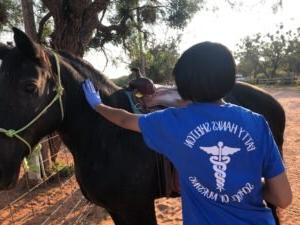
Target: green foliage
{"points": [[141, 14], [40, 12], [149, 14], [62, 169], [270, 54], [10, 14], [248, 55], [180, 11], [292, 60], [160, 59]]}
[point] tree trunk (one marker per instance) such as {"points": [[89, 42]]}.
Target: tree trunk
{"points": [[75, 21], [28, 17], [66, 37], [3, 14]]}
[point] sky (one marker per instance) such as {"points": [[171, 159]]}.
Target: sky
{"points": [[228, 26], [225, 25]]}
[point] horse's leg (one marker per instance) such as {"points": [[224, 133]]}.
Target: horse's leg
{"points": [[143, 215]]}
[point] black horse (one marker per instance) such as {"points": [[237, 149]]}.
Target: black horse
{"points": [[113, 166]]}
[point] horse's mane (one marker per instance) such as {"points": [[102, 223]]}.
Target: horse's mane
{"points": [[87, 71], [117, 96]]}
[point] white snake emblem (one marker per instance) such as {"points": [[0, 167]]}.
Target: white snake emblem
{"points": [[220, 159]]}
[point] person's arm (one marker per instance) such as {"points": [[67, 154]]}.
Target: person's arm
{"points": [[119, 117], [277, 191]]}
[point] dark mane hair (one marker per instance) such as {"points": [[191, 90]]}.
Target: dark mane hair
{"points": [[87, 71], [112, 94]]}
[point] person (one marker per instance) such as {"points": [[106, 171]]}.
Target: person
{"points": [[140, 84], [222, 151]]}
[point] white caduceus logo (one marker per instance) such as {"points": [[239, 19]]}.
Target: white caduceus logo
{"points": [[220, 159]]}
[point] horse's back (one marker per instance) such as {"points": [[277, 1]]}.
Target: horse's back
{"points": [[261, 102]]}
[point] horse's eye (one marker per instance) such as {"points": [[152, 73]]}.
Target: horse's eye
{"points": [[30, 88]]}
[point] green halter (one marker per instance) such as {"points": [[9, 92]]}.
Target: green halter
{"points": [[59, 92]]}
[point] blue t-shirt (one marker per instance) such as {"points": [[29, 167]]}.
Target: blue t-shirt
{"points": [[221, 152]]}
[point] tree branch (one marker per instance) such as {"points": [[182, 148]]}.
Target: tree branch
{"points": [[96, 7], [115, 27], [102, 16], [150, 6], [54, 6], [90, 19], [107, 33], [106, 57]]}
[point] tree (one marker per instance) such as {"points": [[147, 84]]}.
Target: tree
{"points": [[269, 53], [248, 55], [28, 18], [77, 25], [160, 60], [10, 14], [3, 13], [80, 24], [274, 50], [292, 61]]}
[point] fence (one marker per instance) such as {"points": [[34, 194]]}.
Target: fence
{"points": [[275, 81], [55, 200]]}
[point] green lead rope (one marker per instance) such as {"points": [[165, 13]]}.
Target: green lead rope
{"points": [[59, 88]]}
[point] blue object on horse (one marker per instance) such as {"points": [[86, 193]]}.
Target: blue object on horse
{"points": [[92, 96]]}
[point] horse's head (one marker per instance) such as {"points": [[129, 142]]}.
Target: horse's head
{"points": [[27, 86]]}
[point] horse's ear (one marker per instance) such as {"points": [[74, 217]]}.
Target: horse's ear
{"points": [[25, 44], [3, 50]]}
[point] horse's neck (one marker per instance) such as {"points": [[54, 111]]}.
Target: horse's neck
{"points": [[82, 126]]}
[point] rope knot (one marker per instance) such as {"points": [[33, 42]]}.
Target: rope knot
{"points": [[59, 90], [10, 133]]}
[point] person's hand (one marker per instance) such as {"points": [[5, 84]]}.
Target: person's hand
{"points": [[92, 96]]}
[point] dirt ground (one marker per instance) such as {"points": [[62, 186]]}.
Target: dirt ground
{"points": [[290, 99], [59, 201]]}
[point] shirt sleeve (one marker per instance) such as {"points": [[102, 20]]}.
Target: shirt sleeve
{"points": [[272, 164], [157, 132]]}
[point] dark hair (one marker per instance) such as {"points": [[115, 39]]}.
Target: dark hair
{"points": [[205, 72]]}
